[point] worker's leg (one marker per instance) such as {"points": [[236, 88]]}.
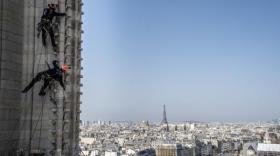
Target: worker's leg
{"points": [[44, 36], [52, 37], [39, 29], [46, 84], [34, 80]]}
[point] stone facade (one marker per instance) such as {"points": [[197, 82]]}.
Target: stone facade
{"points": [[28, 122]]}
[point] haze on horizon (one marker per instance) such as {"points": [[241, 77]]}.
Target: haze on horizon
{"points": [[206, 60]]}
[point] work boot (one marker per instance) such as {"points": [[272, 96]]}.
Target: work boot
{"points": [[25, 90]]}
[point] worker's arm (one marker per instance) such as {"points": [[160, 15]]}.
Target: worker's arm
{"points": [[59, 14], [45, 12]]}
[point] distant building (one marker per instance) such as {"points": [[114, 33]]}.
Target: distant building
{"points": [[192, 127], [249, 149], [171, 150], [207, 149], [227, 147], [130, 152], [175, 128], [109, 153], [268, 149], [147, 152], [270, 138], [94, 153]]}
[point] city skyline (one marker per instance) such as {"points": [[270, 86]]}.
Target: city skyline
{"points": [[207, 61]]}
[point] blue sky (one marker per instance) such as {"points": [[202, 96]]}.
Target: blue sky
{"points": [[206, 60]]}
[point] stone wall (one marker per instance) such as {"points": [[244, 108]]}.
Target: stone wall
{"points": [[28, 122], [11, 31]]}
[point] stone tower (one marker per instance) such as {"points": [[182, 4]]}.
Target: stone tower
{"points": [[30, 124]]}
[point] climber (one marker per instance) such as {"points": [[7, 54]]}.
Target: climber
{"points": [[55, 73], [46, 24]]}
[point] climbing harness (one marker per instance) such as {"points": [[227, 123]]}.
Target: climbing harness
{"points": [[43, 24]]}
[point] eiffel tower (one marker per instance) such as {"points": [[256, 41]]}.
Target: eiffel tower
{"points": [[164, 119], [164, 122]]}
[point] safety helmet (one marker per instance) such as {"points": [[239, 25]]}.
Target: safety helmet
{"points": [[52, 6], [64, 68], [55, 63]]}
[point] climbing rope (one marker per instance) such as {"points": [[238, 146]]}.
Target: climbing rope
{"points": [[18, 124], [40, 118], [42, 110]]}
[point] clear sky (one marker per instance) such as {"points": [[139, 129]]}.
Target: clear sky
{"points": [[208, 60]]}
